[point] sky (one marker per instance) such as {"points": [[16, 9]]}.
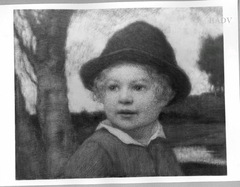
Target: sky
{"points": [[89, 30]]}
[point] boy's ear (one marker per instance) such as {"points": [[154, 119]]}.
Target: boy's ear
{"points": [[173, 93], [168, 99], [97, 98]]}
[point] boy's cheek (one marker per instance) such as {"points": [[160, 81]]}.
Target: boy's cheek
{"points": [[109, 99], [109, 107]]}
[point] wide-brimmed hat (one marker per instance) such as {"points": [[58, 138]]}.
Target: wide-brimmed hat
{"points": [[144, 44]]}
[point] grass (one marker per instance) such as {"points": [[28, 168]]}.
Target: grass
{"points": [[196, 134], [199, 161], [197, 154]]}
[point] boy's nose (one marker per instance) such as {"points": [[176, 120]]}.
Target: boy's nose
{"points": [[125, 97]]}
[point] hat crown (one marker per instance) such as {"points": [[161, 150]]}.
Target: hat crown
{"points": [[143, 37]]}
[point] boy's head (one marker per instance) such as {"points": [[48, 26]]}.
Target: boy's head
{"points": [[143, 44]]}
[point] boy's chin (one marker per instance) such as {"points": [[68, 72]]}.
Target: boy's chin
{"points": [[126, 126]]}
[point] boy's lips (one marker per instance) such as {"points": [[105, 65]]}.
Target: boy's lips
{"points": [[126, 113]]}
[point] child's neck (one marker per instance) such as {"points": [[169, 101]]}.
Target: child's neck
{"points": [[143, 134]]}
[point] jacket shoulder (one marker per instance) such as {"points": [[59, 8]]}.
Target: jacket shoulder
{"points": [[104, 139]]}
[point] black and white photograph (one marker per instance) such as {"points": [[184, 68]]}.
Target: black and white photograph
{"points": [[121, 92]]}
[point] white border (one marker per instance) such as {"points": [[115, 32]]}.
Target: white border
{"points": [[112, 5], [7, 129], [232, 101]]}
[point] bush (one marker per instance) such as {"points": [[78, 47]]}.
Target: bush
{"points": [[205, 108]]}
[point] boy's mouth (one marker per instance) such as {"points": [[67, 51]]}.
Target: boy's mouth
{"points": [[126, 113]]}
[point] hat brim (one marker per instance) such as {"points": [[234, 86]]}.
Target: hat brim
{"points": [[179, 80]]}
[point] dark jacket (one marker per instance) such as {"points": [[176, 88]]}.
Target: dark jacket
{"points": [[104, 155]]}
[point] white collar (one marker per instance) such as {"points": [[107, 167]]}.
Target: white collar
{"points": [[125, 138]]}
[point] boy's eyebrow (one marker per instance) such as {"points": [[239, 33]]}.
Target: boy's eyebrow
{"points": [[143, 79], [109, 79], [138, 80]]}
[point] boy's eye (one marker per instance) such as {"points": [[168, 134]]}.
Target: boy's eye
{"points": [[139, 87], [112, 87]]}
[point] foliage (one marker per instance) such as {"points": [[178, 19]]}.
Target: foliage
{"points": [[205, 108], [212, 62], [85, 123]]}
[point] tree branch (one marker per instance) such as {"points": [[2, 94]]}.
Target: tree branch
{"points": [[29, 53], [38, 29], [29, 75]]}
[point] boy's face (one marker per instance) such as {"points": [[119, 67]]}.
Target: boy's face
{"points": [[129, 97]]}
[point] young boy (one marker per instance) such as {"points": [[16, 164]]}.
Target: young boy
{"points": [[134, 78]]}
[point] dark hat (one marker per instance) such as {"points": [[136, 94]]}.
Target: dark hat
{"points": [[144, 44]]}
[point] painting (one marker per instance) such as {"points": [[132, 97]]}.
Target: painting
{"points": [[112, 92]]}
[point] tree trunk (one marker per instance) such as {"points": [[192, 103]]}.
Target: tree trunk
{"points": [[54, 117], [30, 152], [49, 28]]}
